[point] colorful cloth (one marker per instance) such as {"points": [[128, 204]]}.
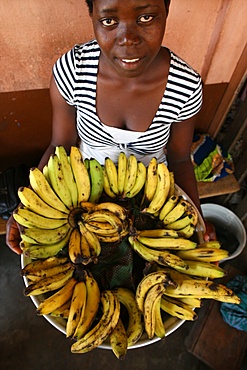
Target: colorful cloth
{"points": [[211, 162], [236, 314]]}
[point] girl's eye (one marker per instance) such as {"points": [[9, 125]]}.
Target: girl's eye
{"points": [[108, 22], [145, 18]]}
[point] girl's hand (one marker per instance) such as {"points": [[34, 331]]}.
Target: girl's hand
{"points": [[13, 236], [210, 233]]}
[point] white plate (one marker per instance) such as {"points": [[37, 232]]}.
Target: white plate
{"points": [[172, 323]]}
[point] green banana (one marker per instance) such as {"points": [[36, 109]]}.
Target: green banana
{"points": [[96, 180]]}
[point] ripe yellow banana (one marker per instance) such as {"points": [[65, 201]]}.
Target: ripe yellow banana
{"points": [[106, 184], [40, 264], [23, 216], [204, 269], [32, 201], [50, 283], [210, 244], [46, 173], [151, 182], [96, 180], [62, 311], [135, 326], [181, 223], [58, 182], [108, 321], [191, 210], [158, 233], [57, 299], [161, 191], [46, 272], [111, 172], [190, 301], [161, 257], [118, 340], [102, 215], [147, 282], [177, 309], [172, 184], [91, 307], [204, 254], [77, 307], [170, 203], [121, 171], [38, 236], [74, 247], [152, 299], [131, 173], [115, 208], [187, 231], [101, 228], [139, 181], [87, 206], [37, 251], [81, 175], [167, 243], [43, 189], [200, 288], [67, 173], [92, 240], [86, 254], [175, 214], [159, 327]]}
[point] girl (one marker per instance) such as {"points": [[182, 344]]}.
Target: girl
{"points": [[124, 91]]}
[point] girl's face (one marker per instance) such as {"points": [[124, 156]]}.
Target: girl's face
{"points": [[129, 33]]}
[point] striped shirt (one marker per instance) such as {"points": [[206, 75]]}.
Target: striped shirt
{"points": [[75, 74]]}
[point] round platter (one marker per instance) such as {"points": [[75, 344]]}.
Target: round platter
{"points": [[171, 323]]}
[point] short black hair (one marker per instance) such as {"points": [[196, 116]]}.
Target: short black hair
{"points": [[90, 5]]}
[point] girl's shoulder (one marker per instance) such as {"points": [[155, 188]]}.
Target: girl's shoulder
{"points": [[88, 49], [180, 65]]}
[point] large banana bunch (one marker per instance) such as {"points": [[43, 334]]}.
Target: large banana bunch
{"points": [[65, 217]]}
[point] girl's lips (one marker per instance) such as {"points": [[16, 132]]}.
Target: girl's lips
{"points": [[130, 60], [130, 64]]}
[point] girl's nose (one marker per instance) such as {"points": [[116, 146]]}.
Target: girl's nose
{"points": [[128, 36]]}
